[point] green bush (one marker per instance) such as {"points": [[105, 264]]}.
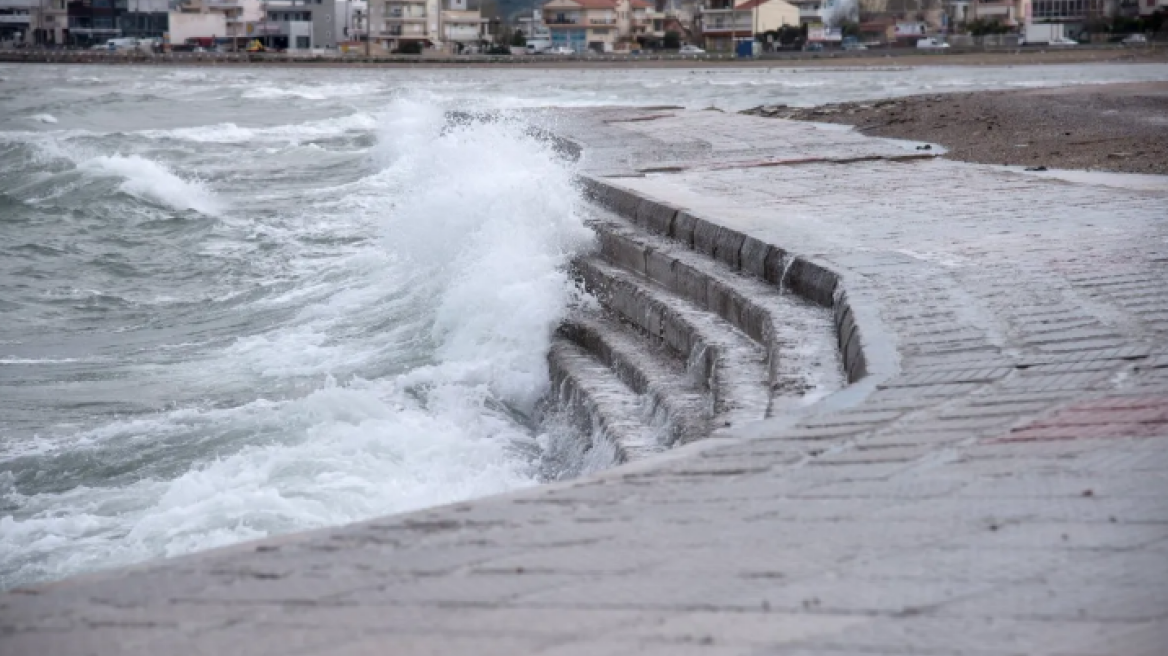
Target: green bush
{"points": [[984, 26], [671, 41]]}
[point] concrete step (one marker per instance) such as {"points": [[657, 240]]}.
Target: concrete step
{"points": [[673, 400], [607, 416], [727, 362], [798, 336]]}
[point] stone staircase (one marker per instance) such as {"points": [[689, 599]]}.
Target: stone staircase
{"points": [[680, 339]]}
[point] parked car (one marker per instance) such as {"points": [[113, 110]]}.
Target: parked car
{"points": [[813, 47], [691, 50], [855, 45], [931, 43], [1135, 40], [127, 43], [562, 50], [1063, 41]]}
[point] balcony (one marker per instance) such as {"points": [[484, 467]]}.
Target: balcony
{"points": [[460, 33], [404, 32], [562, 20], [399, 15], [460, 16], [602, 21], [741, 24]]}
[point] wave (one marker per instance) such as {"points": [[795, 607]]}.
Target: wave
{"points": [[310, 92], [402, 379], [232, 133], [43, 118], [149, 180]]}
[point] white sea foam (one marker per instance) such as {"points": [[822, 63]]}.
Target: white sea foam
{"points": [[310, 92], [150, 180], [43, 118], [476, 225], [292, 132]]}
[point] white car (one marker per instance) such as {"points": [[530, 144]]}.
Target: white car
{"points": [[562, 50], [1064, 41], [691, 50], [1135, 40], [931, 43]]}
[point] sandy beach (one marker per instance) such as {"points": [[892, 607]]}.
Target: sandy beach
{"points": [[1113, 127]]}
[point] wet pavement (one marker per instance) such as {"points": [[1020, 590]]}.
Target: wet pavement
{"points": [[993, 483]]}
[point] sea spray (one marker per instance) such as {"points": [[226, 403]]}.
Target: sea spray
{"points": [[390, 370]]}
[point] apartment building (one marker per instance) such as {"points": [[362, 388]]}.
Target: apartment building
{"points": [[302, 24], [406, 21], [48, 21], [92, 21], [598, 25], [725, 22], [826, 12], [143, 18], [462, 24], [16, 19]]}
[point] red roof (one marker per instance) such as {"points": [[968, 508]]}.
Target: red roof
{"points": [[751, 4]]}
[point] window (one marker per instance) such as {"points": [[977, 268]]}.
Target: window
{"points": [[102, 4], [302, 42]]}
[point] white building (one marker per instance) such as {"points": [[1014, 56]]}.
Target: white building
{"points": [[452, 25]]}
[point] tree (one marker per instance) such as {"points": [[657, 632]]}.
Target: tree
{"points": [[849, 28], [671, 41], [518, 40], [982, 27]]}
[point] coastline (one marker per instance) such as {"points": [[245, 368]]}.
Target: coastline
{"points": [[900, 57], [1109, 127], [1004, 474]]}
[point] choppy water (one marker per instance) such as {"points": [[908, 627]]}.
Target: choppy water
{"points": [[243, 302]]}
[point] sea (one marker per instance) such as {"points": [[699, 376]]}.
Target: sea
{"points": [[239, 302]]}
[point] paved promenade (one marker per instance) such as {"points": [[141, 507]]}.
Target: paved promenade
{"points": [[997, 484]]}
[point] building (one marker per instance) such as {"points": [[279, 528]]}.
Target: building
{"points": [[1007, 12], [462, 24], [405, 22], [725, 22], [826, 12], [597, 25], [1073, 15], [49, 24], [533, 27], [296, 24], [143, 18], [92, 21], [16, 20]]}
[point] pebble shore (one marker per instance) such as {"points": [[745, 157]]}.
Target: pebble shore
{"points": [[1116, 127]]}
